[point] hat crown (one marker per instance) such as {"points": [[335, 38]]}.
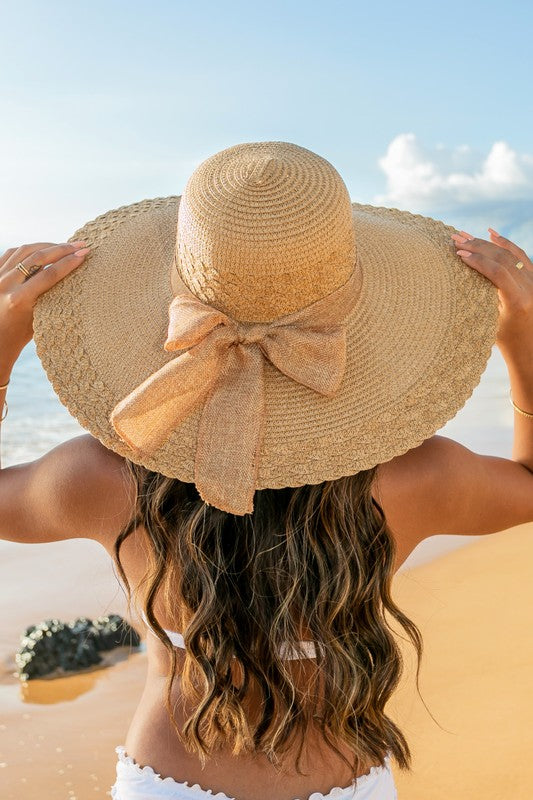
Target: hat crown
{"points": [[265, 169], [264, 229]]}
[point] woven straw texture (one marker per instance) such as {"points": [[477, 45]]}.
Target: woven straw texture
{"points": [[418, 339]]}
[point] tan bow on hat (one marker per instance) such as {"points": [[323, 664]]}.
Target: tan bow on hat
{"points": [[223, 369], [318, 336]]}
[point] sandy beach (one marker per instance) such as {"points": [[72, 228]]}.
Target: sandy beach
{"points": [[473, 605]]}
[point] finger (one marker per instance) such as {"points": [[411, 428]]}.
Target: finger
{"points": [[38, 258], [482, 246], [513, 248], [16, 254], [55, 272], [495, 271]]}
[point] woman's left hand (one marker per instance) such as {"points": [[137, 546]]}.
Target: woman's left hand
{"points": [[19, 293]]}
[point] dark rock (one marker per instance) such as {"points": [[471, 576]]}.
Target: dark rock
{"points": [[53, 645], [113, 632]]}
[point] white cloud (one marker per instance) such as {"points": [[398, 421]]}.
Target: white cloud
{"points": [[462, 186]]}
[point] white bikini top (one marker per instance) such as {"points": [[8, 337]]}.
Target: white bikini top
{"points": [[286, 651]]}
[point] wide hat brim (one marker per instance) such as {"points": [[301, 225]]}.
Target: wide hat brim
{"points": [[418, 341]]}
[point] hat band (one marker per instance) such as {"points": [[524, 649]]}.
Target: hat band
{"points": [[223, 368]]}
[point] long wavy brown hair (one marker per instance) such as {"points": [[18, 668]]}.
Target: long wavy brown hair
{"points": [[240, 588]]}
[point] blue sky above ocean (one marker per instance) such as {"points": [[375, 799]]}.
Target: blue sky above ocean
{"points": [[423, 108]]}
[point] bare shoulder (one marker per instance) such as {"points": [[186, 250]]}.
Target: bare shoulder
{"points": [[404, 488], [442, 487], [98, 493], [78, 489]]}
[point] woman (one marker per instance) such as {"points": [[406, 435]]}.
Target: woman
{"points": [[259, 489]]}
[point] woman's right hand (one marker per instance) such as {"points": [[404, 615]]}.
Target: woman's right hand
{"points": [[497, 260]]}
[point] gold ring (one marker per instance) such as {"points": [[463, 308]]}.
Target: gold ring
{"points": [[23, 269], [28, 271], [519, 264]]}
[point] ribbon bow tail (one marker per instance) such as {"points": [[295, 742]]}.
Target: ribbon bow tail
{"points": [[230, 433], [146, 417]]}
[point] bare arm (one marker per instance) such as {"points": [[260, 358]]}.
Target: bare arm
{"points": [[442, 487], [49, 263], [521, 378], [499, 260], [79, 489]]}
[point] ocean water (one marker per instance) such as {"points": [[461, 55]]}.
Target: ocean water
{"points": [[37, 421]]}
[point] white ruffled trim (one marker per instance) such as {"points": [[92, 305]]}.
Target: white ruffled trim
{"points": [[149, 772]]}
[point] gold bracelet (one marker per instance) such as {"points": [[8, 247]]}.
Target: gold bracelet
{"points": [[520, 410], [4, 407]]}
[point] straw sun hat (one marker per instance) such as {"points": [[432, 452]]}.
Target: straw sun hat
{"points": [[262, 330]]}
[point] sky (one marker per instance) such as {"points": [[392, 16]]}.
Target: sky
{"points": [[423, 107]]}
